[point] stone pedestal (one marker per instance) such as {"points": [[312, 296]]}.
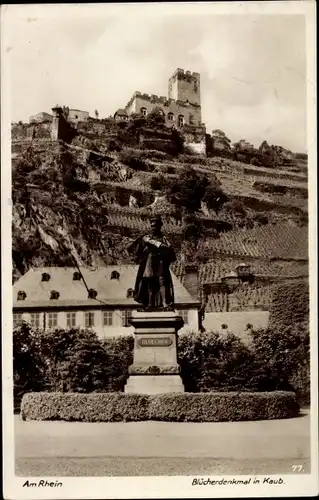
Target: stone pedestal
{"points": [[155, 369]]}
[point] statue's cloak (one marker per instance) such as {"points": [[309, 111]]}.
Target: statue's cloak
{"points": [[153, 272]]}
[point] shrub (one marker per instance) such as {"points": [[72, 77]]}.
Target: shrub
{"points": [[189, 188], [178, 407], [236, 207], [192, 158], [211, 361], [290, 305], [157, 182], [94, 407], [260, 218], [28, 363], [120, 356], [282, 361], [133, 159], [76, 360], [154, 154]]}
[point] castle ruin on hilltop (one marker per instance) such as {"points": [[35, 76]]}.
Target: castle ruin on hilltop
{"points": [[181, 109]]}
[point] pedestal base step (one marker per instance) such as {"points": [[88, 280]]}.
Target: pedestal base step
{"points": [[154, 384]]}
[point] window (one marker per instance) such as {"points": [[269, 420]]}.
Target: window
{"points": [[184, 314], [115, 275], [130, 293], [170, 117], [126, 315], [143, 111], [180, 120], [35, 320], [52, 320], [70, 320], [108, 318], [21, 295], [76, 276], [17, 318], [89, 319], [191, 119], [54, 294], [92, 293], [45, 277]]}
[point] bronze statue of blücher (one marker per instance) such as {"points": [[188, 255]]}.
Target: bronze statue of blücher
{"points": [[154, 254]]}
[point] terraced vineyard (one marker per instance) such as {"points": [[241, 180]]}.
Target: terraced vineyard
{"points": [[280, 241], [106, 223]]}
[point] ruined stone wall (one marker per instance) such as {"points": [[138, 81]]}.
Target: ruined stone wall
{"points": [[76, 115], [31, 131], [195, 139]]}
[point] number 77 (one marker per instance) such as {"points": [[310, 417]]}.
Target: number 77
{"points": [[297, 468]]}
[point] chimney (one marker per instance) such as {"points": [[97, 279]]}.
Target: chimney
{"points": [[190, 280]]}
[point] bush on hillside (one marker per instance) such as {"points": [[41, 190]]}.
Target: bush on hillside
{"points": [[157, 183], [236, 207], [179, 407], [166, 169], [260, 218], [192, 158], [133, 159], [154, 154], [190, 188]]}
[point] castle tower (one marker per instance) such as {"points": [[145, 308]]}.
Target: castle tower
{"points": [[184, 85]]}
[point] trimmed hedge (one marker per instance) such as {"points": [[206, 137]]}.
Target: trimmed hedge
{"points": [[173, 407]]}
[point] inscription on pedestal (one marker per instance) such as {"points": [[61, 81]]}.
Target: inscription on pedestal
{"points": [[155, 342]]}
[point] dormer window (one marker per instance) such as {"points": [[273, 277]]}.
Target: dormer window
{"points": [[76, 276], [92, 293], [130, 293], [45, 277], [115, 275], [21, 295], [54, 295]]}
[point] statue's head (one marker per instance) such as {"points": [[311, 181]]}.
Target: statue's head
{"points": [[156, 223]]}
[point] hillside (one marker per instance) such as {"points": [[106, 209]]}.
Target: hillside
{"points": [[87, 199]]}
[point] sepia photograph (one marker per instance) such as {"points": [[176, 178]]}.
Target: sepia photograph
{"points": [[159, 252]]}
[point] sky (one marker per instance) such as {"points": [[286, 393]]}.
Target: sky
{"points": [[252, 67]]}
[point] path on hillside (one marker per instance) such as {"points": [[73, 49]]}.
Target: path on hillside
{"points": [[161, 448]]}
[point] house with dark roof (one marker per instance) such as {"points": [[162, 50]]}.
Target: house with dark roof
{"points": [[121, 114], [99, 298]]}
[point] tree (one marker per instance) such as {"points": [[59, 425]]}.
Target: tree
{"points": [[190, 188], [96, 114], [29, 366], [218, 143], [76, 360], [155, 118]]}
